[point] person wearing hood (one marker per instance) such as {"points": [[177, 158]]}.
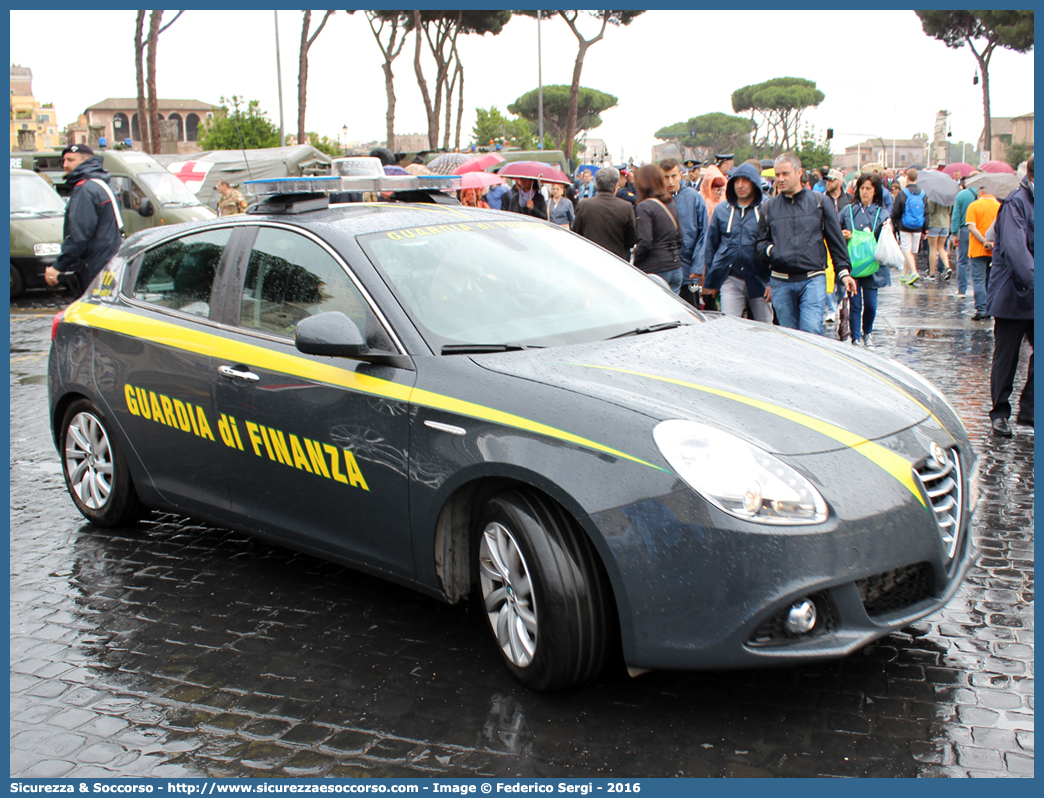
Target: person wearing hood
{"points": [[1009, 297], [732, 268], [92, 230]]}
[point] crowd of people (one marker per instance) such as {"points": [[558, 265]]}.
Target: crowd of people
{"points": [[793, 246]]}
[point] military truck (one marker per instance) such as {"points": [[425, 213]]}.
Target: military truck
{"points": [[37, 214], [148, 194]]}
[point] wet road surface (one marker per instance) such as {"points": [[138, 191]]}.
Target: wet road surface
{"points": [[177, 649]]}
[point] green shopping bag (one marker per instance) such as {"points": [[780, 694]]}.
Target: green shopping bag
{"points": [[861, 248]]}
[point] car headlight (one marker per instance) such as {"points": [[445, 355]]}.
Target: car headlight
{"points": [[40, 250], [738, 477]]}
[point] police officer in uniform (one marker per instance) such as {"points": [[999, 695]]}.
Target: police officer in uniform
{"points": [[231, 202]]}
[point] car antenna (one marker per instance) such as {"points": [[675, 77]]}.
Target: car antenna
{"points": [[242, 145]]}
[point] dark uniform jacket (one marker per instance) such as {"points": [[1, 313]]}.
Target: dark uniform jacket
{"points": [[1009, 294], [608, 221], [91, 234]]}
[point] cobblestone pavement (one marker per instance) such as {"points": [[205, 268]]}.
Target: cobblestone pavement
{"points": [[179, 649]]}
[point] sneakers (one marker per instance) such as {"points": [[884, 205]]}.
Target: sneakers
{"points": [[980, 317], [961, 293], [909, 279], [868, 341], [930, 278], [948, 274]]}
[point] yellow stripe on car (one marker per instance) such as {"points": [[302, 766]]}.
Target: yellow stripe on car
{"points": [[898, 467], [206, 343]]}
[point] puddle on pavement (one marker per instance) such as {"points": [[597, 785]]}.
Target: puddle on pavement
{"points": [[35, 379]]}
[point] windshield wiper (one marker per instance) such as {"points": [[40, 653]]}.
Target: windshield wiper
{"points": [[478, 349], [667, 325]]}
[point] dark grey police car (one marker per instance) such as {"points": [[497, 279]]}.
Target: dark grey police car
{"points": [[469, 402]]}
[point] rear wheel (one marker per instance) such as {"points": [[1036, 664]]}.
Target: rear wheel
{"points": [[544, 591], [95, 469], [17, 282]]}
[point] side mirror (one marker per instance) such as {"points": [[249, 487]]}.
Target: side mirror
{"points": [[330, 333], [145, 207]]}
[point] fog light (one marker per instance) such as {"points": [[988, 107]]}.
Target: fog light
{"points": [[801, 617]]}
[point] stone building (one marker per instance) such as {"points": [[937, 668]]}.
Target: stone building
{"points": [[118, 120], [34, 126]]}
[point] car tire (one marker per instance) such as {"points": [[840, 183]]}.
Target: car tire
{"points": [[17, 282], [544, 591], [95, 469]]}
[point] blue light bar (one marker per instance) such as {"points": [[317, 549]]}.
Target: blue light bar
{"points": [[330, 184]]}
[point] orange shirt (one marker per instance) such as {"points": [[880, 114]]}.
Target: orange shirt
{"points": [[982, 214]]}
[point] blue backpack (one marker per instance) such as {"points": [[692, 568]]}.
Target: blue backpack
{"points": [[913, 210]]}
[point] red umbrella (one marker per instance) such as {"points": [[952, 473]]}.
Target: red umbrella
{"points": [[997, 167], [965, 169], [479, 180], [478, 163], [535, 170]]}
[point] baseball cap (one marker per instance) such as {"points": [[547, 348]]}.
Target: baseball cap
{"points": [[834, 174], [82, 149]]}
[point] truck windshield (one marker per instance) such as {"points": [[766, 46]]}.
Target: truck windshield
{"points": [[167, 188], [31, 194]]}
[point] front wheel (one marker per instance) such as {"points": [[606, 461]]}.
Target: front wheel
{"points": [[17, 282], [95, 469], [545, 594]]}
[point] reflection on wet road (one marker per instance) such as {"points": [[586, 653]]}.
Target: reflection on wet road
{"points": [[180, 649]]}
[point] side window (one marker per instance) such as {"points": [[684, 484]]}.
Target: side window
{"points": [[290, 277], [126, 192], [179, 274]]}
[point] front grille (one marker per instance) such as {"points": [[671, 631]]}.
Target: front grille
{"points": [[940, 476], [772, 631], [895, 590]]}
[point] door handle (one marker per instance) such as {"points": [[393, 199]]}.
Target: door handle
{"points": [[235, 374]]}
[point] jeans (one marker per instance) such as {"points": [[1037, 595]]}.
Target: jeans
{"points": [[673, 278], [978, 273], [799, 303], [863, 307], [962, 260]]}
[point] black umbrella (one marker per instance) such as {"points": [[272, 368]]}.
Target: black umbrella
{"points": [[998, 184], [767, 163], [938, 187]]}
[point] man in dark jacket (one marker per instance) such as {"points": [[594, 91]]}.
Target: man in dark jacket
{"points": [[912, 224], [791, 232], [1009, 298], [91, 234], [732, 265], [605, 218], [525, 198]]}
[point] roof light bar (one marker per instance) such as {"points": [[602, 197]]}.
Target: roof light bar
{"points": [[352, 174]]}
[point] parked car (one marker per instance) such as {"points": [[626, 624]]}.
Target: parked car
{"points": [[468, 402], [37, 215]]}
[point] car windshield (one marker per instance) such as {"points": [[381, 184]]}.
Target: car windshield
{"points": [[513, 284], [31, 194], [168, 188]]}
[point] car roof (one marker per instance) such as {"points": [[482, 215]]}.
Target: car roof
{"points": [[339, 220]]}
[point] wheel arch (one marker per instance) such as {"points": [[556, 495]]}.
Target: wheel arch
{"points": [[455, 530]]}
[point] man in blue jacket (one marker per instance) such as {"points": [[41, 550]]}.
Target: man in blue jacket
{"points": [[692, 217], [1009, 299], [731, 263], [91, 233]]}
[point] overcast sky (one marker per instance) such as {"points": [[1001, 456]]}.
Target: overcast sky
{"points": [[881, 75]]}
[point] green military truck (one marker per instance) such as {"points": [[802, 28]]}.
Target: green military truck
{"points": [[148, 194], [37, 214]]}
